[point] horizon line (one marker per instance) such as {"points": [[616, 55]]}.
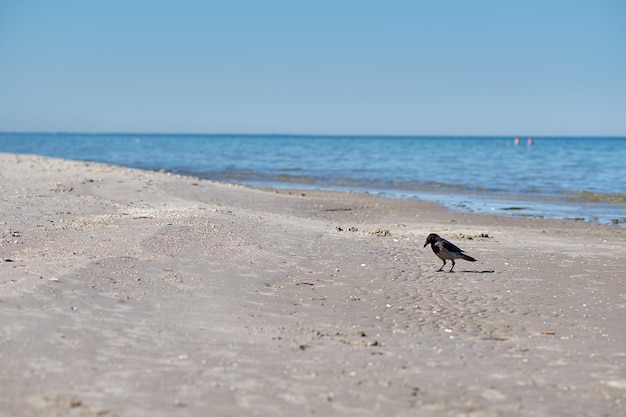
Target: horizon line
{"points": [[321, 135]]}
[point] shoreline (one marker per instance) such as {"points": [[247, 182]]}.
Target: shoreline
{"points": [[506, 205], [129, 292], [567, 195]]}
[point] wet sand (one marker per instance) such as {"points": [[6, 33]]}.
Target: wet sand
{"points": [[134, 293]]}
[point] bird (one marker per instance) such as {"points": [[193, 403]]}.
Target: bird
{"points": [[446, 250]]}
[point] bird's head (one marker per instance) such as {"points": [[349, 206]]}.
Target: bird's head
{"points": [[432, 238]]}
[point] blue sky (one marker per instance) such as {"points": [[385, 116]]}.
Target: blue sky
{"points": [[549, 67]]}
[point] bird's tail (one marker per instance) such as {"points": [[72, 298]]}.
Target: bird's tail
{"points": [[468, 258]]}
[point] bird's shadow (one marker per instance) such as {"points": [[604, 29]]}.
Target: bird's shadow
{"points": [[484, 271]]}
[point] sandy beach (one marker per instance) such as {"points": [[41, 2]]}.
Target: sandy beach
{"points": [[135, 293]]}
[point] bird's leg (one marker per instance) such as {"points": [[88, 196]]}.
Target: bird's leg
{"points": [[444, 264], [452, 265]]}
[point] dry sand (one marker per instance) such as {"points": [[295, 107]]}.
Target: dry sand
{"points": [[133, 293]]}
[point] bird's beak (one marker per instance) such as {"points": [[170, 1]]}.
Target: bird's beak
{"points": [[426, 244]]}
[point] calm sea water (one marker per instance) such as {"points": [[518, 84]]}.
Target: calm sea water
{"points": [[572, 178]]}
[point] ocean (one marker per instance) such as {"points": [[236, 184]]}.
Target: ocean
{"points": [[576, 178]]}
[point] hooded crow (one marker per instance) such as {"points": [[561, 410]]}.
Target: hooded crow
{"points": [[446, 250]]}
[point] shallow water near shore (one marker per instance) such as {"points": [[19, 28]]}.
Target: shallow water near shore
{"points": [[566, 178]]}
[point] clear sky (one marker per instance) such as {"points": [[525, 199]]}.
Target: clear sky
{"points": [[532, 67]]}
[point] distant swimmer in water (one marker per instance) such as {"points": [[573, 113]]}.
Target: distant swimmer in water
{"points": [[530, 141], [516, 141]]}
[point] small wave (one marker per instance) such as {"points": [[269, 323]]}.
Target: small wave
{"points": [[239, 175], [293, 179], [437, 185], [359, 182], [614, 198]]}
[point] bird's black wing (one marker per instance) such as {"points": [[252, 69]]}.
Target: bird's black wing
{"points": [[451, 247]]}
